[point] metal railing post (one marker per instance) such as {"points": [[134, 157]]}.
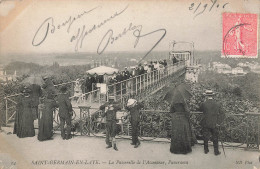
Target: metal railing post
{"points": [[136, 81], [121, 90], [89, 123], [6, 111], [141, 83], [115, 91], [99, 97]]}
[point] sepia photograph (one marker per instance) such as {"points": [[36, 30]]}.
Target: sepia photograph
{"points": [[112, 84]]}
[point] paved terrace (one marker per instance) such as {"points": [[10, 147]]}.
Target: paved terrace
{"points": [[30, 153]]}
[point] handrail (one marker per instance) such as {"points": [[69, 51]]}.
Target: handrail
{"points": [[131, 78], [85, 93]]}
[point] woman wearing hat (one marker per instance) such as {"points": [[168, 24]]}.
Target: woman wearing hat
{"points": [[23, 126], [134, 108], [180, 130], [46, 117]]}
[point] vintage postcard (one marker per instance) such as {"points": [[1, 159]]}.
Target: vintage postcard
{"points": [[129, 84]]}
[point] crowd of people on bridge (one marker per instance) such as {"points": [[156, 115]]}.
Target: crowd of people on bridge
{"points": [[141, 69], [89, 81]]}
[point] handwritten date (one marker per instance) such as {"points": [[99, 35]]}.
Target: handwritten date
{"points": [[200, 8]]}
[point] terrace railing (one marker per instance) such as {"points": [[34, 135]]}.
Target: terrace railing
{"points": [[236, 130], [135, 87]]}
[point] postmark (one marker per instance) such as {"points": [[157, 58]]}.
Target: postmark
{"points": [[240, 32]]}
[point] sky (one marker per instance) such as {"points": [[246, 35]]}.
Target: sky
{"points": [[20, 21]]}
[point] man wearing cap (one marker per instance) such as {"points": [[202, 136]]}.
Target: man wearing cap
{"points": [[134, 108], [213, 115], [109, 111]]}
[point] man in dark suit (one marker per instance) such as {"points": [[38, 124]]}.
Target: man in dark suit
{"points": [[213, 115], [65, 113], [134, 108], [109, 111]]}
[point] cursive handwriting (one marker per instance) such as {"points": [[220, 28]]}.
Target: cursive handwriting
{"points": [[83, 32], [198, 11], [48, 24], [109, 37]]}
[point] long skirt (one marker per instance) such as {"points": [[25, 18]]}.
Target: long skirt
{"points": [[45, 125], [23, 126], [180, 135]]}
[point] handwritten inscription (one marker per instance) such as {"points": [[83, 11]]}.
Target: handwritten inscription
{"points": [[82, 32], [49, 26], [200, 8], [109, 37]]}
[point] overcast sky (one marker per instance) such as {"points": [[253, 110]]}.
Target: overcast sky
{"points": [[174, 17]]}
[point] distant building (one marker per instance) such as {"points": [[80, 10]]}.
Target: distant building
{"points": [[221, 68], [192, 73], [238, 71], [4, 77]]}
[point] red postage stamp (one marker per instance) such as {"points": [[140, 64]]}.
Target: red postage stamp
{"points": [[240, 35]]}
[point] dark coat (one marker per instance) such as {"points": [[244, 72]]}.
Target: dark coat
{"points": [[65, 107], [35, 94], [135, 112], [110, 113], [49, 90], [212, 114], [46, 119], [23, 125]]}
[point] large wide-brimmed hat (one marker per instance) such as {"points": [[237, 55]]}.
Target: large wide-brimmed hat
{"points": [[131, 102], [209, 92]]}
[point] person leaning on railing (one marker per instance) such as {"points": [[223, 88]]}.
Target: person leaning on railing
{"points": [[213, 115], [65, 113], [134, 108]]}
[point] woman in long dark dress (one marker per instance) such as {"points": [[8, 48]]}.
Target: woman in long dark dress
{"points": [[46, 119], [180, 136], [23, 126], [180, 130]]}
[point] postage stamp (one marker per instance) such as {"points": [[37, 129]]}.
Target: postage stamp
{"points": [[239, 35]]}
